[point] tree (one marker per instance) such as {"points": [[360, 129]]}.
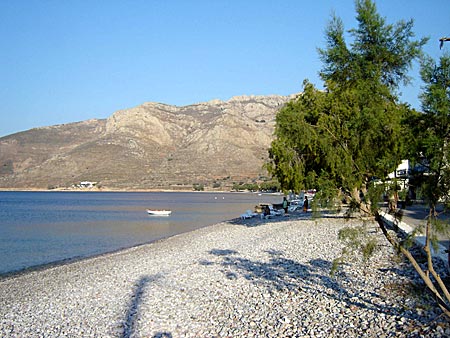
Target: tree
{"points": [[293, 150], [431, 128], [272, 186], [341, 138], [430, 148], [345, 140], [198, 187]]}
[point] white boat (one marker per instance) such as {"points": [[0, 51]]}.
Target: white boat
{"points": [[295, 205], [159, 212]]}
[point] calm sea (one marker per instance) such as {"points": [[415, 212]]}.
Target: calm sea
{"points": [[39, 228]]}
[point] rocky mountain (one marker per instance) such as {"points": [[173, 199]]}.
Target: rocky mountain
{"points": [[152, 146]]}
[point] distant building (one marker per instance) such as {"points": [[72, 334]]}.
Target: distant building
{"points": [[87, 184]]}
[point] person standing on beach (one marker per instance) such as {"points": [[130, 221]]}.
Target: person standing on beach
{"points": [[305, 204], [285, 204]]}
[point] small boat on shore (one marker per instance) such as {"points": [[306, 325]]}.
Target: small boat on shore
{"points": [[159, 212]]}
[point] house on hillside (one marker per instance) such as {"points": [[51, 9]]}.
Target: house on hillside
{"points": [[87, 184]]}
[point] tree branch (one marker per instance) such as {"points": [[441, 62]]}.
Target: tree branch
{"points": [[425, 277]]}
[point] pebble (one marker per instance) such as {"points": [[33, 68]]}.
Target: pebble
{"points": [[270, 279]]}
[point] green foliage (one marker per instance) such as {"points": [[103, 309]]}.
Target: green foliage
{"points": [[296, 141], [380, 53], [251, 187], [430, 148], [357, 242], [439, 228], [431, 145], [245, 186], [198, 187], [271, 186], [374, 193], [338, 140], [346, 140], [235, 187]]}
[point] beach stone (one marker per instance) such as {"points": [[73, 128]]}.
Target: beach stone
{"points": [[269, 279]]}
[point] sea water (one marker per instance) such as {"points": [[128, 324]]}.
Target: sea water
{"points": [[40, 228]]}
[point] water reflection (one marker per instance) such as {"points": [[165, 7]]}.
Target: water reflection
{"points": [[41, 227]]}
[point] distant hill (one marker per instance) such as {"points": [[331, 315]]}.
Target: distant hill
{"points": [[152, 146]]}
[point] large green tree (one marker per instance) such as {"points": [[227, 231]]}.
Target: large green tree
{"points": [[339, 139], [430, 146], [430, 151], [346, 139]]}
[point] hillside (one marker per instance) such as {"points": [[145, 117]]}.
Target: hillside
{"points": [[151, 146]]}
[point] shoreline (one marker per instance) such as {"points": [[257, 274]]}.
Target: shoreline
{"points": [[67, 261], [72, 260], [236, 278], [140, 190], [10, 270], [102, 190]]}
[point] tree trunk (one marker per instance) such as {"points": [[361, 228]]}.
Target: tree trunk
{"points": [[424, 275]]}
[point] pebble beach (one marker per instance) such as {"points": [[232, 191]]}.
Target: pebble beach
{"points": [[242, 278]]}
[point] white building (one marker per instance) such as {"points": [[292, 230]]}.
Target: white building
{"points": [[87, 184], [402, 170]]}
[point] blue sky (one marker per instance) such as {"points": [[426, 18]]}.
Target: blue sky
{"points": [[72, 60]]}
